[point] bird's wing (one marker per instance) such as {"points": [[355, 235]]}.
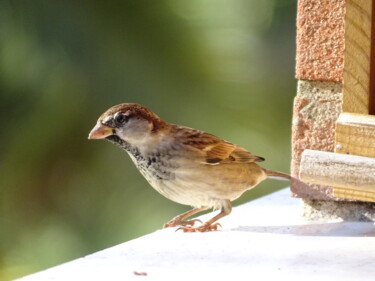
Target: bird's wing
{"points": [[225, 152], [217, 151]]}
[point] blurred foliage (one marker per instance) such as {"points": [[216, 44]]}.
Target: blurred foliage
{"points": [[225, 67]]}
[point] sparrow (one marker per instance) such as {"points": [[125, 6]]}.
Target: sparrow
{"points": [[187, 166]]}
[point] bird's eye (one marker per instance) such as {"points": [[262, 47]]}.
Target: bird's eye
{"points": [[120, 118]]}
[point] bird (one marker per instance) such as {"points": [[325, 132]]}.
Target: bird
{"points": [[187, 166]]}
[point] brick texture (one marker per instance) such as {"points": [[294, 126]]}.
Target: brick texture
{"points": [[320, 40], [316, 109]]}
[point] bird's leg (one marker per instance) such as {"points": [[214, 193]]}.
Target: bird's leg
{"points": [[210, 225], [179, 220]]}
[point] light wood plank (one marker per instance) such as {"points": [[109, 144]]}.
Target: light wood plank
{"points": [[355, 134], [334, 169], [357, 56], [353, 194]]}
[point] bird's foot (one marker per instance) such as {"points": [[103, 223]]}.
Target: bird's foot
{"points": [[176, 222], [203, 228]]}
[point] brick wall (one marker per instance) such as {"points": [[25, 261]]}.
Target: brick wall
{"points": [[319, 70]]}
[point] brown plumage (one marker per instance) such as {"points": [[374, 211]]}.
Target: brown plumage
{"points": [[188, 166]]}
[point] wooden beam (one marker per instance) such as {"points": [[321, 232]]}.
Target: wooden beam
{"points": [[352, 172], [355, 134], [356, 86]]}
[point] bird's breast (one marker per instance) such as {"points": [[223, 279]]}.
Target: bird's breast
{"points": [[155, 167], [191, 182]]}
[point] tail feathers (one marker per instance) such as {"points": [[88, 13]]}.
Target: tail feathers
{"points": [[277, 175]]}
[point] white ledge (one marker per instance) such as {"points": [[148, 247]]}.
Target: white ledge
{"points": [[265, 239]]}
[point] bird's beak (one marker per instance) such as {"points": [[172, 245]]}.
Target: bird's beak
{"points": [[100, 131]]}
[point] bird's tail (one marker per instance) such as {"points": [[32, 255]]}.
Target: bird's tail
{"points": [[277, 175]]}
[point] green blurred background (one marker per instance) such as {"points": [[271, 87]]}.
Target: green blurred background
{"points": [[225, 67]]}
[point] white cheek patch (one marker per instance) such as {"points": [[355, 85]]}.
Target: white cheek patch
{"points": [[120, 132], [136, 132]]}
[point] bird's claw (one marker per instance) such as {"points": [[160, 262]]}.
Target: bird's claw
{"points": [[174, 223], [202, 228], [190, 222]]}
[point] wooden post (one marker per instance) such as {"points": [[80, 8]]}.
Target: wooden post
{"points": [[372, 64], [355, 127], [357, 56]]}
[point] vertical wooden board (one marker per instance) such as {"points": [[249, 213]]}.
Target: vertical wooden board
{"points": [[372, 65], [357, 56]]}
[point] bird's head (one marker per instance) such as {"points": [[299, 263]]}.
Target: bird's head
{"points": [[129, 122]]}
